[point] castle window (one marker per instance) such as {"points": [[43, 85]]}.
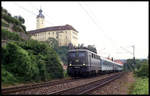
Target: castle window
{"points": [[75, 37]]}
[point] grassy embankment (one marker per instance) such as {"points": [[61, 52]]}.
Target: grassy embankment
{"points": [[141, 84]]}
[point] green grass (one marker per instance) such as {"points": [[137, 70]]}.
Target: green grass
{"points": [[141, 86]]}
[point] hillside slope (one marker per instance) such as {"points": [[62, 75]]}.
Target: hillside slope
{"points": [[12, 27]]}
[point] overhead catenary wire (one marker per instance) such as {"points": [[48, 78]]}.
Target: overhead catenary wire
{"points": [[110, 39], [93, 20]]}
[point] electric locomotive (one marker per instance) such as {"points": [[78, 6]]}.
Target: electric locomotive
{"points": [[82, 62]]}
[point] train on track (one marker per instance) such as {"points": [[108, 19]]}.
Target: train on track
{"points": [[83, 62]]}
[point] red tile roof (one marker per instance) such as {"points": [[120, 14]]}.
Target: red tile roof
{"points": [[118, 61], [53, 28]]}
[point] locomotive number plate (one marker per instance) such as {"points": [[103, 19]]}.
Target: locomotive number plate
{"points": [[77, 60]]}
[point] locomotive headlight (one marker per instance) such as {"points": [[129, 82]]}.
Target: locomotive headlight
{"points": [[83, 64], [70, 64]]}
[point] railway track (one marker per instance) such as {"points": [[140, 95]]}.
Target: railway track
{"points": [[64, 90], [33, 86], [84, 89]]}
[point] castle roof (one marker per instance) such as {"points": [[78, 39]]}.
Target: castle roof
{"points": [[40, 14], [53, 28]]}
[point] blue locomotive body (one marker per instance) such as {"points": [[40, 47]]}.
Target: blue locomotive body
{"points": [[82, 62]]}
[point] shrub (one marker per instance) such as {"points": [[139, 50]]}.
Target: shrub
{"points": [[62, 52], [140, 86], [21, 19], [4, 10], [7, 77], [10, 19], [6, 35], [143, 71], [5, 24], [31, 61], [45, 57], [24, 27], [19, 63], [17, 28]]}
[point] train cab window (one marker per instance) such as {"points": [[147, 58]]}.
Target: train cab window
{"points": [[92, 56], [72, 54], [77, 54], [81, 54]]}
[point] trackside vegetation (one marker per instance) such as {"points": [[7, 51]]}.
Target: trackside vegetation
{"points": [[141, 74], [25, 60], [29, 61]]}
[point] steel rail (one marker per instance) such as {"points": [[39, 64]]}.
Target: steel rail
{"points": [[33, 86], [83, 89]]}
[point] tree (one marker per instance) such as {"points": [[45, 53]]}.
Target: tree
{"points": [[17, 59], [70, 46], [143, 70], [81, 45], [52, 42], [92, 48], [21, 19]]}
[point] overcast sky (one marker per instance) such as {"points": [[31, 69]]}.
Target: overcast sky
{"points": [[107, 25]]}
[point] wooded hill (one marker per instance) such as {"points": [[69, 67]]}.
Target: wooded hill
{"points": [[24, 59]]}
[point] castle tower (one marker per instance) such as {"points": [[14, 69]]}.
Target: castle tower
{"points": [[40, 20]]}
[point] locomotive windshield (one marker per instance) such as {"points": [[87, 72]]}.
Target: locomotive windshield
{"points": [[77, 54], [77, 57]]}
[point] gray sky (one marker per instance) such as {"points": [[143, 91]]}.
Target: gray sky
{"points": [[107, 25]]}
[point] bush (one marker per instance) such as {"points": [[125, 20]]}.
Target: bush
{"points": [[7, 77], [143, 71], [140, 86], [31, 61], [5, 24], [18, 60], [45, 57], [53, 65], [4, 10], [43, 75], [21, 19], [6, 35], [24, 27], [62, 52], [10, 19], [17, 28]]}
